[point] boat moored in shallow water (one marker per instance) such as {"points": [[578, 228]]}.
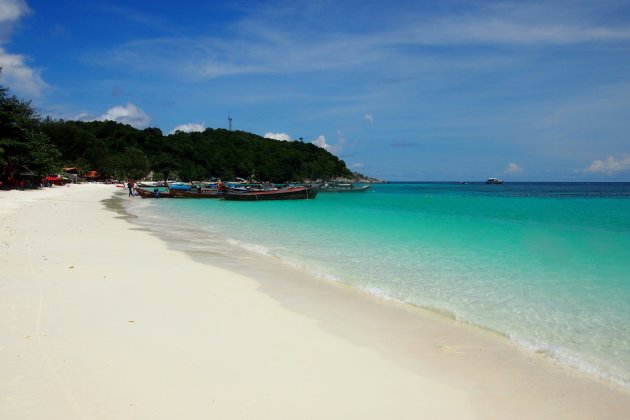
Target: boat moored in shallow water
{"points": [[155, 193], [343, 187], [290, 193]]}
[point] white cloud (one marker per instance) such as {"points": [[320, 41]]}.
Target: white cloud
{"points": [[129, 114], [341, 140], [336, 148], [357, 165], [278, 136], [11, 11], [264, 33], [369, 118], [321, 142], [509, 30], [189, 128], [513, 168], [16, 74], [609, 166], [20, 77], [84, 116]]}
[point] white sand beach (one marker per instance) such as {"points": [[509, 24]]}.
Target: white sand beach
{"points": [[100, 319]]}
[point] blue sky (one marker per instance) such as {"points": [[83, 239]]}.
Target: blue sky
{"points": [[401, 90]]}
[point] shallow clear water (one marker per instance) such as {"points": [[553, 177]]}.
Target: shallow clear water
{"points": [[546, 264]]}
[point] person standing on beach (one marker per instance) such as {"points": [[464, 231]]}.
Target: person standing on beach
{"points": [[130, 185]]}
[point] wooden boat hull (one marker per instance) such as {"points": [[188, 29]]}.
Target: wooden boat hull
{"points": [[145, 193], [153, 194], [361, 188], [296, 193], [195, 194]]}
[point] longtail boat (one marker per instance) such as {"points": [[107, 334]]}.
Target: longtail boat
{"points": [[343, 187], [197, 193], [185, 191], [290, 193], [156, 193]]}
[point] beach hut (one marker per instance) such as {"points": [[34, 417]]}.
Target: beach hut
{"points": [[73, 174], [19, 177], [27, 178], [92, 176]]}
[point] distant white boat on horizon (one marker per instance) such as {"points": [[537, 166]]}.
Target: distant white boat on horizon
{"points": [[494, 181]]}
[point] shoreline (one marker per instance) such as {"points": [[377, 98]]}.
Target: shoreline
{"points": [[200, 237], [278, 279], [103, 319]]}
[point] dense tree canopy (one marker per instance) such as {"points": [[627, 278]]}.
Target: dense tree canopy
{"points": [[22, 142], [122, 151]]}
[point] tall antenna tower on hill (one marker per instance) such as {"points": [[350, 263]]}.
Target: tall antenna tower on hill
{"points": [[230, 121]]}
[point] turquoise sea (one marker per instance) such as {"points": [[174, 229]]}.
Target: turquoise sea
{"points": [[545, 264]]}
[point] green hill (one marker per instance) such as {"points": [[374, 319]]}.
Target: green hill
{"points": [[121, 151]]}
